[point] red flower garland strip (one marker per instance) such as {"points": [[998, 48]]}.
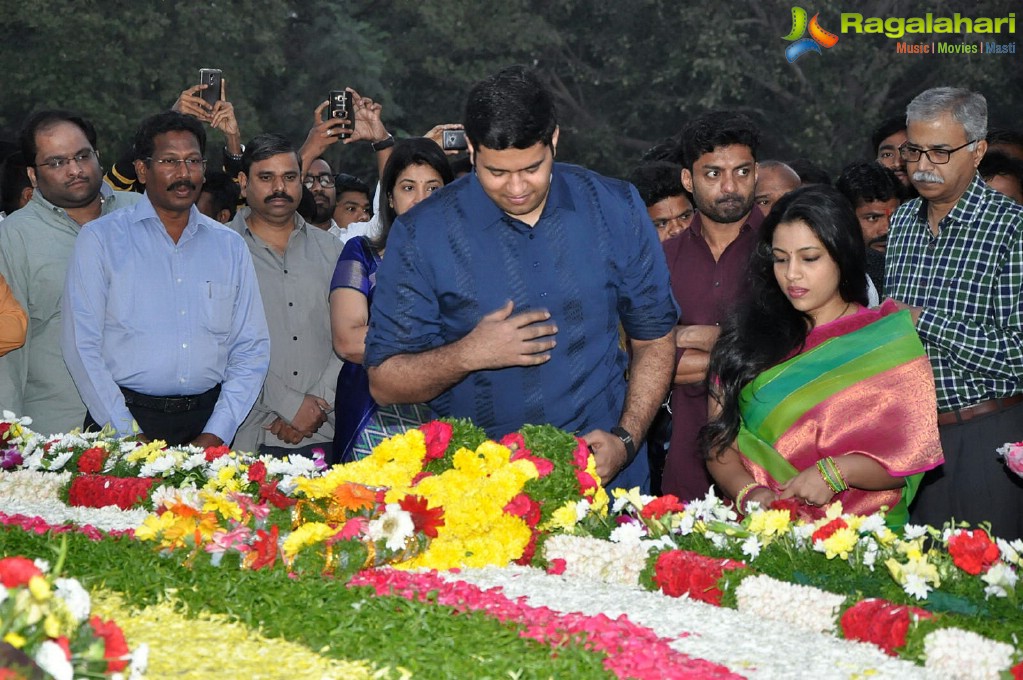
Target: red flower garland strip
{"points": [[38, 525], [880, 622], [98, 491], [972, 551], [683, 572], [632, 651]]}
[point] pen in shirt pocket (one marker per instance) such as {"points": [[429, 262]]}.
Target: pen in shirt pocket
{"points": [[209, 289]]}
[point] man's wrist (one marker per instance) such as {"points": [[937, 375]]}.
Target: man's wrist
{"points": [[631, 449], [381, 144]]}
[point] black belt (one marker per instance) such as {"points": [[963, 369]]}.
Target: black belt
{"points": [[173, 404]]}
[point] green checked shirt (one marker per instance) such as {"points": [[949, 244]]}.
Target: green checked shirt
{"points": [[969, 281]]}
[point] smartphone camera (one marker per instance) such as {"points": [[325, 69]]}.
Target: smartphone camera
{"points": [[341, 106], [453, 140]]}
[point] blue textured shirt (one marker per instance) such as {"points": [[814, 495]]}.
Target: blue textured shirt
{"points": [[163, 318], [592, 260]]}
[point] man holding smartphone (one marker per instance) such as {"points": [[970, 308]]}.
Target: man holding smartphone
{"points": [[500, 296]]}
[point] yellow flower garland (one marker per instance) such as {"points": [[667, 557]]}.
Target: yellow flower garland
{"points": [[220, 648]]}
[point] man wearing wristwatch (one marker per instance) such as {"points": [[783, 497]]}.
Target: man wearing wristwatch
{"points": [[500, 297]]}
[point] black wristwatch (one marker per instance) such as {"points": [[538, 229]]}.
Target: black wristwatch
{"points": [[630, 444], [385, 143]]}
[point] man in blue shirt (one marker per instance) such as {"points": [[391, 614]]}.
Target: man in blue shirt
{"points": [[500, 297], [163, 320]]}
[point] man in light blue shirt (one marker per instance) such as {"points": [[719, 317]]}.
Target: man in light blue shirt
{"points": [[164, 323]]}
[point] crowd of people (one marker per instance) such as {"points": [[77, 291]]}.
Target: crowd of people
{"points": [[717, 319]]}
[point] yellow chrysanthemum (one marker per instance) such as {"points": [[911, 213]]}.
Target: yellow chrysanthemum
{"points": [[840, 543], [214, 502], [767, 523], [305, 535], [40, 588], [154, 525], [147, 453], [600, 502]]}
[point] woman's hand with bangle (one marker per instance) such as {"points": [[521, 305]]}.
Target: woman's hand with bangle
{"points": [[762, 495], [809, 487]]}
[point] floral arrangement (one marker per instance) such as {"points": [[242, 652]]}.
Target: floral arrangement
{"points": [[921, 581], [1012, 454], [45, 625], [441, 496]]}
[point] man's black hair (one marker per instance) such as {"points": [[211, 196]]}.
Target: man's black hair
{"points": [[223, 190], [658, 180], [869, 181], [1004, 136], [887, 128], [510, 109], [668, 149], [267, 145], [161, 123], [998, 163], [717, 129], [41, 120], [344, 182], [14, 180], [809, 172]]}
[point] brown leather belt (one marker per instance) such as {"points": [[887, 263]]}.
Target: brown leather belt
{"points": [[983, 408]]}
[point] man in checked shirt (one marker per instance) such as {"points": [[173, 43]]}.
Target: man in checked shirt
{"points": [[955, 259]]}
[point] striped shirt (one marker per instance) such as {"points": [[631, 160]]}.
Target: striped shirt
{"points": [[969, 281]]}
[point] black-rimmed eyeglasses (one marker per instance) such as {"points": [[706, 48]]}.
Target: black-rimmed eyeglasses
{"points": [[912, 153]]}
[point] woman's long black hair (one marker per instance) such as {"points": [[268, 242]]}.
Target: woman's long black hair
{"points": [[765, 327], [411, 151]]}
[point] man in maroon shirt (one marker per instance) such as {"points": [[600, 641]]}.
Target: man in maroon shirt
{"points": [[708, 273]]}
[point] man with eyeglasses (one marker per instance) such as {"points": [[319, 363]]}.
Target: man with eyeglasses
{"points": [[955, 260], [36, 241], [165, 333], [294, 265]]}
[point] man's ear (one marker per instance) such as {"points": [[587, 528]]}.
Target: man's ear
{"points": [[141, 170], [32, 176], [243, 182], [554, 142], [26, 195], [978, 153], [687, 180], [471, 151]]}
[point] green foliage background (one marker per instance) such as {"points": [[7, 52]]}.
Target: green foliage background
{"points": [[625, 74]]}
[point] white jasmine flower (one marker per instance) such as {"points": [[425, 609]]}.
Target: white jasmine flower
{"points": [[1000, 579], [916, 586], [42, 565], [913, 531], [954, 653], [751, 547], [52, 660], [75, 596], [802, 607], [1010, 551], [394, 526], [629, 532]]}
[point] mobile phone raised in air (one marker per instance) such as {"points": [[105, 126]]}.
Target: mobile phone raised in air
{"points": [[453, 140], [211, 77], [341, 106]]}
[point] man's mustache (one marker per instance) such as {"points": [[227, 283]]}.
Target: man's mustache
{"points": [[182, 184], [277, 195], [925, 176]]}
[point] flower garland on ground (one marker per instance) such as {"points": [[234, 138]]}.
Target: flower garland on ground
{"points": [[960, 579], [632, 651], [46, 624]]}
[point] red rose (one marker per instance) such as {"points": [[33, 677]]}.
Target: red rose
{"points": [[214, 452], [92, 460], [556, 567], [514, 441], [581, 455], [828, 529], [438, 435], [973, 551], [257, 472], [661, 506], [681, 572], [525, 507], [880, 622], [17, 571], [115, 647]]}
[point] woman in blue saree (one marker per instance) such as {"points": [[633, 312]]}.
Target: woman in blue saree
{"points": [[417, 167]]}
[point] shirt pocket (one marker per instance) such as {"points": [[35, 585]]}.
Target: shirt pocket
{"points": [[218, 307]]}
